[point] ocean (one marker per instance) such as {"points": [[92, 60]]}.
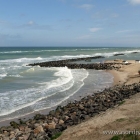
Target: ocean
{"points": [[25, 89]]}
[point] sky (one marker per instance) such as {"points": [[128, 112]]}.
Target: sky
{"points": [[114, 23]]}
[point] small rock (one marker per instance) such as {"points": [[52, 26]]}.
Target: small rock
{"points": [[51, 126], [36, 125], [39, 116], [22, 128], [12, 136], [20, 138], [61, 121], [38, 129], [26, 136], [81, 107], [12, 132], [6, 138], [6, 133], [16, 131], [55, 120], [66, 117], [27, 129]]}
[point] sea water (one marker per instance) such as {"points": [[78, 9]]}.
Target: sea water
{"points": [[25, 89]]}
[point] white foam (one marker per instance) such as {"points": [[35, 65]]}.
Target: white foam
{"points": [[3, 75], [109, 54], [14, 107], [64, 75], [17, 75], [30, 70], [105, 54], [21, 60], [69, 57], [81, 78], [128, 52], [94, 49], [45, 50], [56, 50], [10, 52], [27, 97], [13, 52]]}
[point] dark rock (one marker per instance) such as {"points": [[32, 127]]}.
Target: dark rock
{"points": [[31, 136], [14, 124], [118, 54], [39, 116]]}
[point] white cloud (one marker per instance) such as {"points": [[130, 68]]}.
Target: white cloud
{"points": [[86, 6], [35, 26], [94, 29], [134, 2], [30, 23]]}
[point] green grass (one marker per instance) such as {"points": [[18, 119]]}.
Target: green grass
{"points": [[125, 137], [117, 137], [122, 102], [137, 119], [121, 119], [56, 136]]}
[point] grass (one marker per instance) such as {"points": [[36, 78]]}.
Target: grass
{"points": [[56, 136], [122, 102], [121, 119], [137, 119], [117, 137], [125, 137]]}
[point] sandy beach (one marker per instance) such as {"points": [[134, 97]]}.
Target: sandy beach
{"points": [[120, 118], [90, 117]]}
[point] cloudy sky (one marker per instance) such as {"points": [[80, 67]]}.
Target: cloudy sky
{"points": [[70, 23]]}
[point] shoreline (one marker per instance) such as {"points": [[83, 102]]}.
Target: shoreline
{"points": [[126, 74], [120, 118], [77, 96], [120, 77]]}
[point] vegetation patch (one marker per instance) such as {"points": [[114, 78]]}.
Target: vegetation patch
{"points": [[126, 137], [121, 119], [117, 137], [137, 119], [122, 102], [56, 136]]}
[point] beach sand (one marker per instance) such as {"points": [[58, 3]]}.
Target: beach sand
{"points": [[120, 118]]}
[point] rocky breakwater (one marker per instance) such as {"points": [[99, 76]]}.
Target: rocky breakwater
{"points": [[66, 63], [45, 127]]}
